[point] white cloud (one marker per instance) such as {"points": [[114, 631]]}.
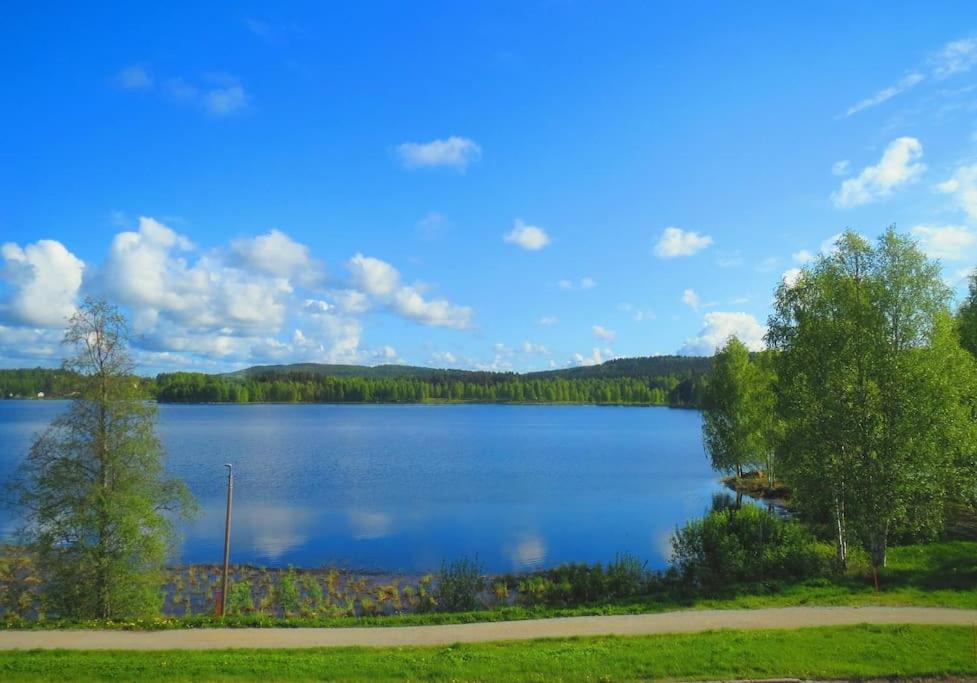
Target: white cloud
{"points": [[184, 300], [802, 256], [29, 345], [899, 165], [409, 303], [531, 348], [719, 327], [44, 278], [208, 309], [373, 275], [905, 83], [947, 242], [957, 56], [548, 320], [317, 306], [602, 332], [690, 298], [677, 242], [791, 276], [456, 152], [596, 357], [225, 100], [444, 359], [584, 283], [963, 186], [218, 94], [351, 300], [841, 167], [385, 354], [134, 77], [529, 237], [382, 281], [830, 244], [275, 253], [328, 338]]}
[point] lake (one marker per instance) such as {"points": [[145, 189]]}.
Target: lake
{"points": [[401, 487]]}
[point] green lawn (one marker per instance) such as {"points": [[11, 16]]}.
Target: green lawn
{"points": [[837, 652]]}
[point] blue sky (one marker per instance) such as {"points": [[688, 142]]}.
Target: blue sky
{"points": [[495, 185]]}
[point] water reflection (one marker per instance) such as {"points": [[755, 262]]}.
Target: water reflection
{"points": [[529, 553], [403, 488], [259, 530], [365, 525]]}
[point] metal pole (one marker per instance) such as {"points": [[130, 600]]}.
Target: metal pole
{"points": [[227, 535]]}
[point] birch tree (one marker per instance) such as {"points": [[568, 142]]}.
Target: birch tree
{"points": [[875, 391]]}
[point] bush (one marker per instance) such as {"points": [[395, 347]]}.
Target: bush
{"points": [[578, 584], [626, 576], [535, 590], [287, 593], [239, 599], [459, 586], [742, 546]]}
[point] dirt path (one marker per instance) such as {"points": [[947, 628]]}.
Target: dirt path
{"points": [[624, 625]]}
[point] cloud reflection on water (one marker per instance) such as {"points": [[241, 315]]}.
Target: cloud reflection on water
{"points": [[365, 525], [528, 553], [269, 530]]}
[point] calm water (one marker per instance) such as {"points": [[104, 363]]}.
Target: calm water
{"points": [[401, 487]]}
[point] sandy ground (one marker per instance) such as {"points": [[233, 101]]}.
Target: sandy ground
{"points": [[624, 625]]}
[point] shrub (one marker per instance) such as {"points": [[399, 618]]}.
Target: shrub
{"points": [[459, 586], [627, 576], [287, 593], [425, 600], [741, 546], [535, 590], [368, 607], [500, 591], [239, 599], [574, 584]]}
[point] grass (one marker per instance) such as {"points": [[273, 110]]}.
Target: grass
{"points": [[934, 575], [822, 653]]}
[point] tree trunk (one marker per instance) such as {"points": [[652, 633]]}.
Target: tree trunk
{"points": [[841, 541], [102, 571], [878, 543]]}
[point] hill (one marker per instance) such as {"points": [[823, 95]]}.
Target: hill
{"points": [[331, 370], [639, 368], [642, 367]]}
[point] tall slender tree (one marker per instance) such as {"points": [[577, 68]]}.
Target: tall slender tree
{"points": [[98, 507], [736, 425]]}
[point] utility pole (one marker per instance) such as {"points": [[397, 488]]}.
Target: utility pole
{"points": [[227, 536]]}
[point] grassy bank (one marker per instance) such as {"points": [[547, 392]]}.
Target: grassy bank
{"points": [[935, 575], [834, 653]]}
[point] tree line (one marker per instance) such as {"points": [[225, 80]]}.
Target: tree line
{"points": [[29, 382], [865, 402], [683, 387], [185, 387]]}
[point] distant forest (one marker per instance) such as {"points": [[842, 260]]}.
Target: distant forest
{"points": [[656, 380]]}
